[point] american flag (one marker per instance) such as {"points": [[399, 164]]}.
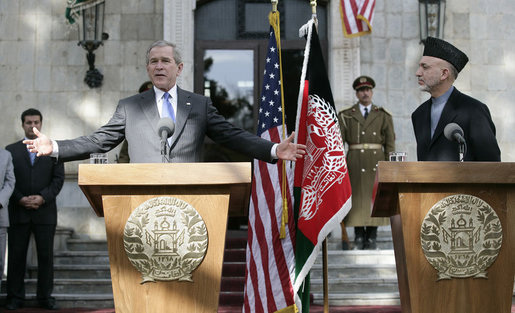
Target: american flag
{"points": [[270, 258], [357, 16]]}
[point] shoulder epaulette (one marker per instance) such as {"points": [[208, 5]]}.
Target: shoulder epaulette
{"points": [[385, 110]]}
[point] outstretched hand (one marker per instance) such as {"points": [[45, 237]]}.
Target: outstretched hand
{"points": [[287, 150], [42, 145]]}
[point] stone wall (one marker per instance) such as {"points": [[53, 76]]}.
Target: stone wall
{"points": [[41, 66]]}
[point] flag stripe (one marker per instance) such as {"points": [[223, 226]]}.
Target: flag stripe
{"points": [[251, 297], [265, 286], [357, 16], [280, 262]]}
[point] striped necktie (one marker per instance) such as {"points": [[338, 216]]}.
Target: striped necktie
{"points": [[167, 109]]}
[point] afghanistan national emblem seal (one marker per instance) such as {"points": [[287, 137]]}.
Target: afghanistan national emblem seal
{"points": [[461, 236], [165, 238]]}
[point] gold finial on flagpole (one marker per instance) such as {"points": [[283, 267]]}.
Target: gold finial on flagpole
{"points": [[313, 8], [313, 4], [274, 5]]}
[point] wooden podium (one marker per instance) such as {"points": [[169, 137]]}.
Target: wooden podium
{"points": [[115, 190], [406, 191]]}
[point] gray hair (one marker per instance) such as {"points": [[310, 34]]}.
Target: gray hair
{"points": [[453, 70], [163, 43]]}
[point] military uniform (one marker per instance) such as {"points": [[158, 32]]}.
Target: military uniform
{"points": [[370, 141]]}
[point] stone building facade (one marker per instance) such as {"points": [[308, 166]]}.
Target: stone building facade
{"points": [[41, 66]]}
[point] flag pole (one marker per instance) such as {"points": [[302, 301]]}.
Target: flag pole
{"points": [[325, 280], [274, 15], [313, 4]]}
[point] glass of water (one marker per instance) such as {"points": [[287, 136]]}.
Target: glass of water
{"points": [[98, 158], [398, 156]]}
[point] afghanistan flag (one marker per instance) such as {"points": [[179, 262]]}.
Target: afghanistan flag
{"points": [[321, 179]]}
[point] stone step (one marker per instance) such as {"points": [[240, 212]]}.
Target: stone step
{"points": [[79, 244], [355, 270], [232, 284], [76, 271], [231, 298], [358, 298], [336, 257], [71, 286], [233, 269], [381, 242], [81, 257], [357, 285], [235, 255]]}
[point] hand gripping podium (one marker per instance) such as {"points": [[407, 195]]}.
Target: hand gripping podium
{"points": [[447, 241], [130, 197]]}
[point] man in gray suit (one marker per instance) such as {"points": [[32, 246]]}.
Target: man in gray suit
{"points": [[136, 119], [7, 181]]}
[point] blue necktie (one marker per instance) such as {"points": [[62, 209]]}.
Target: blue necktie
{"points": [[32, 156], [366, 113], [167, 110]]}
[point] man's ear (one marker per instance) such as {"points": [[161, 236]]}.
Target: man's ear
{"points": [[179, 68], [445, 73]]}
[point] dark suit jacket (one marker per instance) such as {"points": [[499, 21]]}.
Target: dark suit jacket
{"points": [[136, 118], [471, 115], [44, 178]]}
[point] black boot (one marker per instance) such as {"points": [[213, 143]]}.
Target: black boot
{"points": [[371, 235], [359, 238]]}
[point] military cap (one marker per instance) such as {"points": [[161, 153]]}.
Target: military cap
{"points": [[363, 82], [145, 86], [441, 49]]}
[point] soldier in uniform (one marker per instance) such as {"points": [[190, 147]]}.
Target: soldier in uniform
{"points": [[368, 131]]}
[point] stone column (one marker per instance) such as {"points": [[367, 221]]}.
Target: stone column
{"points": [[344, 59], [179, 28]]}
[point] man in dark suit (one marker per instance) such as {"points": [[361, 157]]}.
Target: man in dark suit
{"points": [[7, 181], [32, 210], [136, 119], [437, 71]]}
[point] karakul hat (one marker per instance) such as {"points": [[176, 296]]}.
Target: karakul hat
{"points": [[441, 49], [363, 82]]}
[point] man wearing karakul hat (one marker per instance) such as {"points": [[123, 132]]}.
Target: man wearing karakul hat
{"points": [[437, 71]]}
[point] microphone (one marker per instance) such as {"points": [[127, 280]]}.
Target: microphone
{"points": [[165, 129], [453, 132]]}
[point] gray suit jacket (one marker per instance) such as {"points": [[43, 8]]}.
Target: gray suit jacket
{"points": [[7, 181], [136, 118]]}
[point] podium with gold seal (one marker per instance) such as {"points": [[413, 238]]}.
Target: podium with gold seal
{"points": [[453, 233], [166, 226]]}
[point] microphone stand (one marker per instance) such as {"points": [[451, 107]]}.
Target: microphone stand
{"points": [[462, 148], [164, 145]]}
